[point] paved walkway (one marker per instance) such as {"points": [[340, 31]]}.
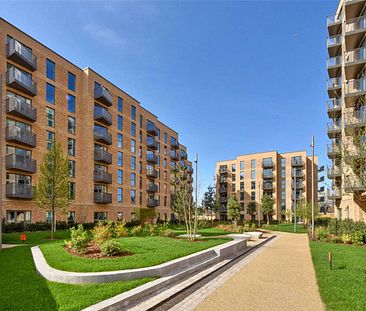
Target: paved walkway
{"points": [[280, 276], [10, 245]]}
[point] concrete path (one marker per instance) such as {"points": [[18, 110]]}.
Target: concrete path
{"points": [[11, 245], [281, 277]]}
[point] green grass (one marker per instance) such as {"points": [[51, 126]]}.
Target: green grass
{"points": [[34, 237], [22, 288], [205, 231], [344, 287], [148, 251], [283, 227]]}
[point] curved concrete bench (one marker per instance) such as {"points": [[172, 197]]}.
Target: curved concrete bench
{"points": [[255, 234], [208, 256], [239, 236]]}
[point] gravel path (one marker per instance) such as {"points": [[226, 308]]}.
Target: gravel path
{"points": [[281, 278]]}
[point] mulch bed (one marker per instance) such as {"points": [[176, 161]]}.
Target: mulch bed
{"points": [[93, 252]]}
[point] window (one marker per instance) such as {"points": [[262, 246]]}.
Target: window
{"points": [[71, 168], [133, 129], [141, 120], [17, 217], [50, 139], [50, 115], [252, 174], [100, 216], [120, 159], [165, 150], [241, 196], [119, 140], [233, 168], [133, 145], [252, 185], [119, 195], [133, 196], [72, 190], [233, 187], [252, 163], [120, 177], [242, 186], [165, 138], [71, 81], [71, 103], [233, 177], [120, 104], [50, 70], [119, 216], [133, 180], [241, 175], [133, 112], [50, 93], [71, 147], [241, 165], [133, 163], [252, 196], [165, 163], [120, 123], [71, 125]]}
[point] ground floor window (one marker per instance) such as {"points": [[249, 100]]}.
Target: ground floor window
{"points": [[71, 217], [100, 216], [49, 217], [16, 217]]}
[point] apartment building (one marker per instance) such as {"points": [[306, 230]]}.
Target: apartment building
{"points": [[284, 176], [346, 89], [120, 154]]}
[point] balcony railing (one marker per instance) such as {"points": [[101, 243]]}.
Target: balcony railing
{"points": [[151, 143], [102, 115], [174, 155], [334, 129], [102, 95], [354, 185], [335, 194], [334, 106], [358, 23], [18, 191], [152, 129], [333, 19], [102, 177], [297, 174], [355, 86], [152, 202], [20, 162], [267, 186], [357, 55], [20, 81], [189, 169], [20, 108], [152, 188], [267, 175], [103, 156], [334, 61], [298, 185], [20, 54], [334, 150], [223, 199], [223, 180], [334, 40], [102, 136], [183, 155], [174, 144], [223, 170], [267, 164], [334, 172], [151, 173], [223, 189], [152, 158], [18, 135], [334, 83], [102, 197], [297, 162]]}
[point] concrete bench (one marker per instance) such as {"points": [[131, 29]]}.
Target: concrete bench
{"points": [[255, 234]]}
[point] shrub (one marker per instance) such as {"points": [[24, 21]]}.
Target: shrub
{"points": [[346, 238], [110, 248], [358, 237], [321, 233], [336, 239], [137, 231], [121, 230], [168, 233], [79, 239], [333, 226], [151, 230], [101, 233]]}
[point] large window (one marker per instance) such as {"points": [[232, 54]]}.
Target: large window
{"points": [[120, 159], [71, 147], [71, 168], [133, 196], [71, 125], [133, 129], [133, 145], [133, 180], [241, 165], [119, 140], [119, 195], [50, 93], [71, 103], [72, 190], [252, 163], [120, 123], [71, 81], [120, 104], [50, 70], [252, 174], [50, 139], [100, 216], [50, 115], [133, 112], [120, 177], [133, 163], [16, 217]]}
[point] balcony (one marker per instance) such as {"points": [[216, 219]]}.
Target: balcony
{"points": [[152, 188], [20, 163], [102, 115], [334, 45], [353, 89], [102, 95], [297, 185], [174, 155], [223, 170], [151, 143], [354, 121], [355, 31], [354, 185], [152, 129], [335, 194], [102, 156], [334, 130], [334, 24], [20, 81], [223, 189], [350, 156], [223, 199], [267, 186], [354, 62], [152, 158], [334, 87], [267, 164], [353, 8], [334, 151], [152, 202], [151, 173], [223, 180], [102, 197], [334, 172], [297, 174], [183, 155], [102, 136], [334, 66], [20, 108], [19, 191], [298, 197], [267, 175], [297, 162], [334, 107], [101, 176], [189, 169], [20, 136], [174, 144], [21, 55]]}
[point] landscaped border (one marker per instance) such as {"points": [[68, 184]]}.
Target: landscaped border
{"points": [[209, 256]]}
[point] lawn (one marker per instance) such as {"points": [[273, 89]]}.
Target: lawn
{"points": [[344, 287], [283, 227], [22, 288], [34, 237], [205, 231], [147, 251]]}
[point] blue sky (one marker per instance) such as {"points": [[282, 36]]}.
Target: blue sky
{"points": [[192, 62]]}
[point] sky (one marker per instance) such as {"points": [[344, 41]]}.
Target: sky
{"points": [[230, 77]]}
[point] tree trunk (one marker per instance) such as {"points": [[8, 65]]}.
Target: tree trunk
{"points": [[53, 223]]}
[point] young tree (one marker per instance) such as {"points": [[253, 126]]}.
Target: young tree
{"points": [[209, 201], [233, 209], [304, 212], [267, 206], [251, 210], [183, 201], [52, 191]]}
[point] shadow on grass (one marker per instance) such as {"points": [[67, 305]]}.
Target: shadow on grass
{"points": [[21, 287]]}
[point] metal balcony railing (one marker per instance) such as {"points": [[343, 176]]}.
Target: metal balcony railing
{"points": [[22, 55], [20, 162], [103, 156], [20, 108], [20, 81]]}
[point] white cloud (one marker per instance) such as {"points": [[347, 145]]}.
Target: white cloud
{"points": [[103, 35]]}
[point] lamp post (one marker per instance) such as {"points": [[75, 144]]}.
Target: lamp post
{"points": [[295, 200], [312, 189], [259, 205]]}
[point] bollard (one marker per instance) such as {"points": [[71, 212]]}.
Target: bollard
{"points": [[23, 237], [330, 258]]}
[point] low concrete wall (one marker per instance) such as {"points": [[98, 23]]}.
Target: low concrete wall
{"points": [[209, 255]]}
